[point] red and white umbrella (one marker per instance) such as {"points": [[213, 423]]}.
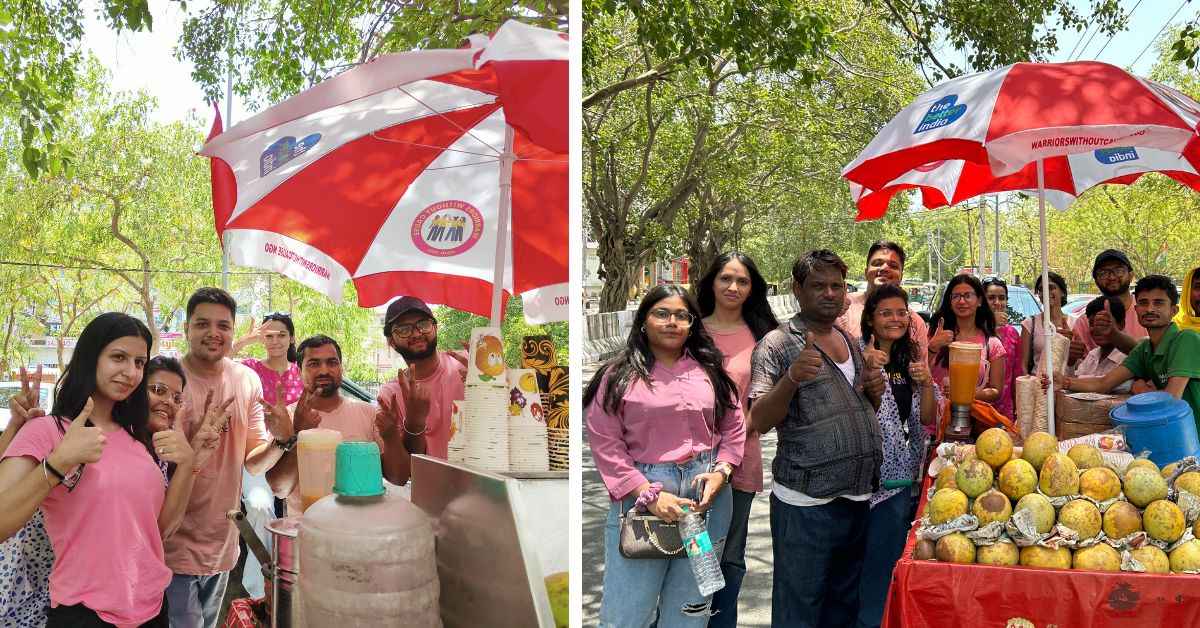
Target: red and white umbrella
{"points": [[1030, 125], [402, 174]]}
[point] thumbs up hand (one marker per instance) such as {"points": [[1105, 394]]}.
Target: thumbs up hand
{"points": [[808, 364], [941, 337], [80, 445]]}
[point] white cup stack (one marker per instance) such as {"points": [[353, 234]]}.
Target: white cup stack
{"points": [[527, 449], [456, 449]]}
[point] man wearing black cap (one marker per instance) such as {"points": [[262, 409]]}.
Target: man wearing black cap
{"points": [[1113, 275], [422, 395]]}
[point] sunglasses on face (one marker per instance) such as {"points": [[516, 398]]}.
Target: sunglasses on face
{"points": [[162, 391]]}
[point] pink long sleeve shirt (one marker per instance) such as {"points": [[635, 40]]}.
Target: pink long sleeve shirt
{"points": [[671, 420]]}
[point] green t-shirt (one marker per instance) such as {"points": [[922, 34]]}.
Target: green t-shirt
{"points": [[1177, 355]]}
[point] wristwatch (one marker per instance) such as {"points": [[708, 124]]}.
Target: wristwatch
{"points": [[286, 445]]}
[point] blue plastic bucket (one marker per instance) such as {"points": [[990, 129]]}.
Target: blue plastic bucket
{"points": [[1160, 423]]}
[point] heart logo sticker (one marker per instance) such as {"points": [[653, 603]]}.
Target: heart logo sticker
{"points": [[941, 113]]}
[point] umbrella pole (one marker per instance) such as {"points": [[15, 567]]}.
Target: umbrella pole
{"points": [[1047, 325], [506, 167]]}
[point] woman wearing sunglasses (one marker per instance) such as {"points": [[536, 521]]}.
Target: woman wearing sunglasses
{"points": [[92, 468], [666, 433]]}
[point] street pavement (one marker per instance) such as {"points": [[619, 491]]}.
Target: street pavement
{"points": [[754, 603]]}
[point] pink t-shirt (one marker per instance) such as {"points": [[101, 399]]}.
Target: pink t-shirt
{"points": [[445, 386], [994, 352], [207, 542], [670, 421], [1083, 329], [737, 345], [355, 420], [292, 384], [107, 546]]}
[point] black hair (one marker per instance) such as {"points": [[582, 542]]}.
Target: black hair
{"points": [[318, 340], [1055, 279], [636, 360], [985, 321], [78, 380], [886, 245], [901, 353], [164, 363], [812, 260], [1158, 282], [1115, 307], [286, 319], [756, 311], [211, 295], [994, 281]]}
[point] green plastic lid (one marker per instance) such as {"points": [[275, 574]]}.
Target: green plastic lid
{"points": [[358, 472]]}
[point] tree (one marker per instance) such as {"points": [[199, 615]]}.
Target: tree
{"points": [[454, 331]]}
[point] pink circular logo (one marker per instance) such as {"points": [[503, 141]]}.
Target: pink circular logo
{"points": [[447, 228]]}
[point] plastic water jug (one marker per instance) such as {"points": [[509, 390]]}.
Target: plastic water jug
{"points": [[368, 556], [1159, 423]]}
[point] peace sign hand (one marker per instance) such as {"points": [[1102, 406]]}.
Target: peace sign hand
{"points": [[24, 405], [385, 418], [306, 417], [279, 422]]}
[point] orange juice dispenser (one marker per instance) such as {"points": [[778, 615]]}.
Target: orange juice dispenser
{"points": [[964, 377], [315, 452]]}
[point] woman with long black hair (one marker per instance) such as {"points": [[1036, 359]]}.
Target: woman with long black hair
{"points": [[910, 404], [666, 432], [91, 466], [732, 297], [964, 316]]}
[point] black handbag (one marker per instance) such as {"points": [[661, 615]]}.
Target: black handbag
{"points": [[644, 535]]}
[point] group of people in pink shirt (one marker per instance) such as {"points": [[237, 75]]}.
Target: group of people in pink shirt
{"points": [[134, 467]]}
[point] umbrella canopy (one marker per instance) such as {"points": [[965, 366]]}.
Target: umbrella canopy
{"points": [[950, 182], [1049, 117], [399, 175]]}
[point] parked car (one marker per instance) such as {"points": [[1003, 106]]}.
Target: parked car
{"points": [[1021, 304], [1076, 306], [8, 390]]}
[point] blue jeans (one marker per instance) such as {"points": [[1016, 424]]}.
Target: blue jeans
{"points": [[818, 553], [638, 591], [733, 563], [195, 601], [887, 530]]}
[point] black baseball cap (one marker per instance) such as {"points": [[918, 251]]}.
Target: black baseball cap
{"points": [[1107, 256], [403, 306]]}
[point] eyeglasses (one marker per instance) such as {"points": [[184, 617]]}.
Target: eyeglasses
{"points": [[1110, 272], [404, 331], [962, 296], [162, 391], [663, 315]]}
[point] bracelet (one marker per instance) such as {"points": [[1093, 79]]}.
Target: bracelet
{"points": [[47, 469], [404, 426], [195, 470], [648, 496]]}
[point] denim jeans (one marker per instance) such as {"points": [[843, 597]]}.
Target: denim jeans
{"points": [[887, 530], [818, 553], [195, 601], [638, 591], [733, 563]]}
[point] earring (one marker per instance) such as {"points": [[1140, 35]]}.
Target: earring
{"points": [[643, 329]]}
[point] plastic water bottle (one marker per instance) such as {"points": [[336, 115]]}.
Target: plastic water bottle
{"points": [[706, 565]]}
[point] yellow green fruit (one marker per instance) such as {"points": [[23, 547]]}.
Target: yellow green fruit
{"points": [[1085, 456], [1059, 476], [1099, 557], [1143, 485], [1018, 478], [955, 548], [945, 478], [1121, 519], [1152, 558], [1186, 557], [1169, 469], [1100, 483], [1037, 446], [994, 446], [1189, 481], [947, 504], [1081, 516], [1003, 554], [1046, 558], [1164, 521], [557, 586], [1042, 509], [1141, 463], [974, 476], [991, 506], [924, 550]]}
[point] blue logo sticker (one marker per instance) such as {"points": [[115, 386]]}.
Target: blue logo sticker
{"points": [[284, 150], [941, 114], [1112, 156]]}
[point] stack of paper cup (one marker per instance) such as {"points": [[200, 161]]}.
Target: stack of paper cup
{"points": [[456, 449], [485, 415], [527, 449], [1028, 389]]}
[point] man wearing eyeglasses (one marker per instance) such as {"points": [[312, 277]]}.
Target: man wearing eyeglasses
{"points": [[423, 395], [1113, 275]]}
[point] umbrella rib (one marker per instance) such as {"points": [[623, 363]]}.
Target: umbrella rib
{"points": [[448, 119]]}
